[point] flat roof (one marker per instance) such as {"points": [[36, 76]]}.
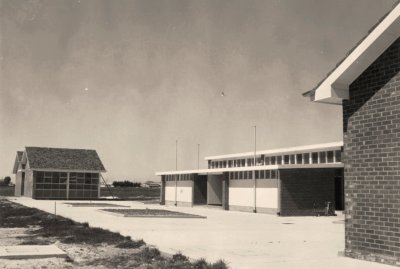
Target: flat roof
{"points": [[290, 150], [247, 168]]}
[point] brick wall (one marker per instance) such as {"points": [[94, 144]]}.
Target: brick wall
{"points": [[371, 119], [300, 188]]}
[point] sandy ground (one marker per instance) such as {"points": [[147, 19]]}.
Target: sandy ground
{"points": [[244, 240]]}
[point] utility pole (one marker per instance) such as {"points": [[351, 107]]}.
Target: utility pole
{"points": [[254, 171], [198, 156], [176, 175]]}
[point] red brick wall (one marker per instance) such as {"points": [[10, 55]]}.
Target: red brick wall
{"points": [[372, 161], [300, 188]]}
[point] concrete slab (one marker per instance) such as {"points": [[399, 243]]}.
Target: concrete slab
{"points": [[243, 240], [31, 252]]}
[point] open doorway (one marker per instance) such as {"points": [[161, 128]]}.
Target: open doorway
{"points": [[339, 190], [200, 190], [22, 183], [214, 190]]}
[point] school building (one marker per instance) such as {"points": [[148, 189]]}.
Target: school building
{"points": [[287, 181], [367, 85]]}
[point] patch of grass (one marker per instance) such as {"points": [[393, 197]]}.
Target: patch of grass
{"points": [[66, 230], [132, 193], [132, 212]]}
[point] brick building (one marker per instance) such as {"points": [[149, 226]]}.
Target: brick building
{"points": [[57, 173], [367, 84], [289, 182]]}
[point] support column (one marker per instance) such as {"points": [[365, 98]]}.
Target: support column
{"points": [[162, 192], [225, 191]]}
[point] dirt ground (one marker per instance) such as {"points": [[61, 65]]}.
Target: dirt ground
{"points": [[79, 255], [86, 247]]}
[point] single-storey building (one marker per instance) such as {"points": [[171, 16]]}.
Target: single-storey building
{"points": [[367, 85], [287, 181], [57, 173]]}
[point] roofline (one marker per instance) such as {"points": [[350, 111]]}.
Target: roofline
{"points": [[297, 149], [247, 168], [67, 170], [335, 86]]}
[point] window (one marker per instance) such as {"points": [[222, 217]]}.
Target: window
{"points": [[274, 174], [322, 157], [292, 157], [267, 174], [306, 159], [230, 163], [273, 160], [338, 156], [329, 156], [299, 158], [224, 164], [314, 157], [243, 162], [262, 174], [267, 160], [286, 159], [279, 160]]}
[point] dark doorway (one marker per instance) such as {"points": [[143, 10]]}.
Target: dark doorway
{"points": [[200, 190], [22, 183], [339, 190]]}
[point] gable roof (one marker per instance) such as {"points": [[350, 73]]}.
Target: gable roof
{"points": [[64, 159], [18, 159], [19, 155], [335, 86]]}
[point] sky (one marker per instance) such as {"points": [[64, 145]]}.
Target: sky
{"points": [[129, 78]]}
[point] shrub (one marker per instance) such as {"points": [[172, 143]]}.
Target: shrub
{"points": [[179, 257], [131, 244], [149, 255]]}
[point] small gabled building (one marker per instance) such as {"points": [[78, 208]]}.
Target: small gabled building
{"points": [[58, 173], [367, 85]]}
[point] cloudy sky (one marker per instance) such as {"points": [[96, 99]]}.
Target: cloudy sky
{"points": [[128, 78]]}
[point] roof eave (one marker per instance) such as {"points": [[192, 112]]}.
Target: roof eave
{"points": [[335, 87]]}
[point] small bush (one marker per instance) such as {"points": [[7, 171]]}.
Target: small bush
{"points": [[149, 255], [200, 264], [131, 244], [179, 257]]}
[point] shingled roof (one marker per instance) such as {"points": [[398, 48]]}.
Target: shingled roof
{"points": [[64, 159]]}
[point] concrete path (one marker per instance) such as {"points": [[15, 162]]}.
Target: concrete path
{"points": [[31, 252], [244, 240]]}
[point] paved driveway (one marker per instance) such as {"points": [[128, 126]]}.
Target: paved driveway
{"points": [[244, 240]]}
